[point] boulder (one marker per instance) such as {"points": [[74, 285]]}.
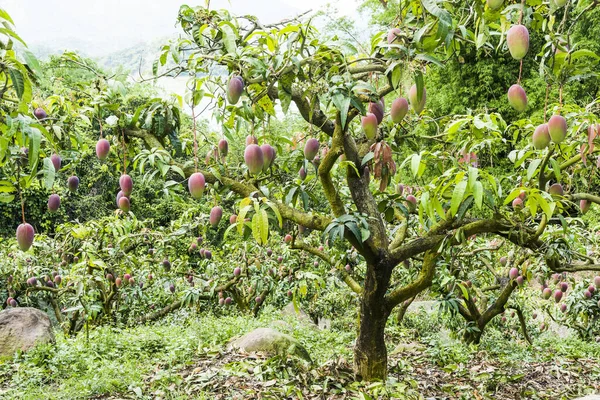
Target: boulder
{"points": [[269, 341], [22, 328], [300, 314]]}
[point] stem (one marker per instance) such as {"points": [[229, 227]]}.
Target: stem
{"points": [[560, 95], [195, 139], [546, 101], [124, 152], [19, 191], [520, 72]]}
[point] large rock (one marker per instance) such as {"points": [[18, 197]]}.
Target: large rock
{"points": [[22, 328], [300, 314], [269, 341]]}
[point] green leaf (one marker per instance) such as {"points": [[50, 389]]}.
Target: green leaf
{"points": [[342, 103], [18, 81], [368, 157], [478, 194], [420, 86], [229, 36], [415, 163], [49, 173], [556, 169], [533, 166], [457, 196]]}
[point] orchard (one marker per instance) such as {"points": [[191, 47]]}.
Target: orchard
{"points": [[452, 158]]}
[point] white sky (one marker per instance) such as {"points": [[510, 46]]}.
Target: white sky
{"points": [[103, 26]]}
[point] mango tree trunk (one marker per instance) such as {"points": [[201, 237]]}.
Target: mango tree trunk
{"points": [[370, 352]]}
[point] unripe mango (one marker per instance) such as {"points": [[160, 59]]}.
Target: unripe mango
{"points": [[517, 203], [250, 139], [124, 204], [411, 203], [235, 88], [541, 137], [585, 206], [558, 295], [216, 213], [503, 260], [196, 184], [287, 238], [557, 127], [517, 98], [119, 195], [520, 280], [302, 173], [253, 156], [494, 4], [417, 105], [56, 161], [53, 202], [556, 190], [40, 113], [73, 183], [587, 294], [393, 35], [378, 109], [369, 125], [597, 281], [563, 286], [546, 293], [399, 109], [311, 149], [563, 307], [126, 184], [25, 234], [517, 40], [102, 149], [269, 155], [233, 219], [513, 273], [223, 147]]}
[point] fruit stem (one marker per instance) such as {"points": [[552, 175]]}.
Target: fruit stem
{"points": [[520, 72], [195, 139], [546, 101], [20, 194], [124, 151], [560, 95], [521, 14], [100, 123]]}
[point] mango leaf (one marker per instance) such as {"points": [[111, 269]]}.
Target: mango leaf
{"points": [[415, 163], [342, 103], [49, 173], [457, 196], [478, 193]]}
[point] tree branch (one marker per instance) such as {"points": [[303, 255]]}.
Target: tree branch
{"points": [[423, 281]]}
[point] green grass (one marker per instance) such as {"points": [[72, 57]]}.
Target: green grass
{"points": [[184, 356]]}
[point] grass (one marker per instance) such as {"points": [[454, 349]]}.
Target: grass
{"points": [[184, 356]]}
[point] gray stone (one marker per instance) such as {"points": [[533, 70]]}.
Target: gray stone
{"points": [[269, 341], [428, 305], [301, 314], [22, 328], [324, 323]]}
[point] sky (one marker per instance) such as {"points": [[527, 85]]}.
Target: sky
{"points": [[98, 27]]}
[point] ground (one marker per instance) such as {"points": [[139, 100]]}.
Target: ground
{"points": [[185, 357]]}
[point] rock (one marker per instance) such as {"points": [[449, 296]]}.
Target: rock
{"points": [[22, 328], [428, 305], [269, 341], [404, 347], [324, 323], [301, 314]]}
